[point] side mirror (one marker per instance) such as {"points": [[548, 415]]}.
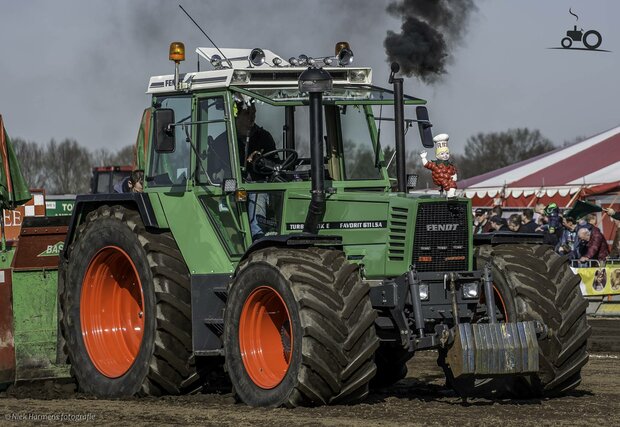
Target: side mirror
{"points": [[164, 139], [424, 126]]}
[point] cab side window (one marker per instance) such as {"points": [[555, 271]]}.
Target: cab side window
{"points": [[213, 148], [172, 169]]}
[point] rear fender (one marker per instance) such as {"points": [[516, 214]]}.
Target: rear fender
{"points": [[84, 204]]}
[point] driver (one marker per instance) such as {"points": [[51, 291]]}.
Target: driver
{"points": [[252, 141]]}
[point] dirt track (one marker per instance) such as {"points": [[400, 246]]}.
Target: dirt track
{"points": [[418, 399]]}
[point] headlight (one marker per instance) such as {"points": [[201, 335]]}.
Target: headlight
{"points": [[470, 290], [240, 76], [358, 76], [423, 292]]}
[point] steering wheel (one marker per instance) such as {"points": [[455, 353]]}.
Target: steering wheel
{"points": [[262, 164]]}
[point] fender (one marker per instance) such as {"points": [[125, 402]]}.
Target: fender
{"points": [[298, 239], [89, 202]]}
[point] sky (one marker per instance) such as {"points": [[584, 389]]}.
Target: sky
{"points": [[79, 69]]}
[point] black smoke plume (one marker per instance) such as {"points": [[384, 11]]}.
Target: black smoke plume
{"points": [[429, 32]]}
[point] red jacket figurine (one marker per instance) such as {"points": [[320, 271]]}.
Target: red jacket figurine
{"points": [[443, 171]]}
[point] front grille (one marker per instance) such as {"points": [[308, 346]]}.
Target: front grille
{"points": [[440, 242]]}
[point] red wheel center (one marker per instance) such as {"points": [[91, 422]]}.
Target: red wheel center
{"points": [[112, 311], [265, 337]]}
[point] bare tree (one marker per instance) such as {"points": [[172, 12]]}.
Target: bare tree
{"points": [[31, 161], [104, 157], [68, 167], [101, 157], [124, 156]]}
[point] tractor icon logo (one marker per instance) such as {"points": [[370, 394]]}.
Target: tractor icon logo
{"points": [[591, 39]]}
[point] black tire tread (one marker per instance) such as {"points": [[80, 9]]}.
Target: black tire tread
{"points": [[545, 289], [339, 338]]}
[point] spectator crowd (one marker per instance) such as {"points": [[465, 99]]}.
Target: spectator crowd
{"points": [[579, 239]]}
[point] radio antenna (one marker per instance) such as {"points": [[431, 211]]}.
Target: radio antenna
{"points": [[207, 36]]}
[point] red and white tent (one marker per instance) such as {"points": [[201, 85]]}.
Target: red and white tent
{"points": [[581, 170]]}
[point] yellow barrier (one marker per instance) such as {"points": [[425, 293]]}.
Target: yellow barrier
{"points": [[598, 279]]}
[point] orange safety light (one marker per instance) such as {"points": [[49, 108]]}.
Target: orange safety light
{"points": [[177, 52], [340, 46], [241, 195]]}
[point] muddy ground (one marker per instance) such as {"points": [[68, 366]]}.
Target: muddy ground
{"points": [[419, 399]]}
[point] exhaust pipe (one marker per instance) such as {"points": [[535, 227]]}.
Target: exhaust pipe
{"points": [[315, 81], [399, 129]]}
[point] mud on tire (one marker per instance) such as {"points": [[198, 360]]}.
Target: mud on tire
{"points": [[324, 317], [163, 362], [535, 283]]}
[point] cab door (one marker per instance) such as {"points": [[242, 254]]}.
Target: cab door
{"points": [[217, 161]]}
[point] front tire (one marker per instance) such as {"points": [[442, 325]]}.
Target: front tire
{"points": [[126, 308], [535, 283], [299, 329]]}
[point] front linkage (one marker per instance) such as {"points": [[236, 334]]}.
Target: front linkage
{"points": [[428, 310]]}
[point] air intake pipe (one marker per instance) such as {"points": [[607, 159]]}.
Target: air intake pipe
{"points": [[315, 81]]}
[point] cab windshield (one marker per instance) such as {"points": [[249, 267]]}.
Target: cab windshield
{"points": [[350, 146]]}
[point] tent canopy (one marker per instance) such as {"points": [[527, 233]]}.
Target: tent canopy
{"points": [[588, 167]]}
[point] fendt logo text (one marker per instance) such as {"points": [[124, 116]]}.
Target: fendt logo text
{"points": [[441, 227]]}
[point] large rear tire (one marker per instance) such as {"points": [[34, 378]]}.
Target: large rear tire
{"points": [[299, 329], [532, 282], [125, 303]]}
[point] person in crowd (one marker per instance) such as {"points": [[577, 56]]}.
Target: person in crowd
{"points": [[595, 244], [527, 218], [615, 246], [552, 224], [612, 213], [566, 244], [514, 223], [481, 222], [497, 211], [498, 223]]}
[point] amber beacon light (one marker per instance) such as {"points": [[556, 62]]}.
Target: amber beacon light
{"points": [[177, 52]]}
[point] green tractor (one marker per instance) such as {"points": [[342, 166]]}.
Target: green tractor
{"points": [[284, 257]]}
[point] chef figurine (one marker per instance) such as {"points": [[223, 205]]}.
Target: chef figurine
{"points": [[443, 171]]}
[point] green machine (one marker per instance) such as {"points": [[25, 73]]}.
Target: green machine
{"points": [[270, 248]]}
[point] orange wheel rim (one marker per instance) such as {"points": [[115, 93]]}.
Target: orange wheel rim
{"points": [[112, 311], [265, 337]]}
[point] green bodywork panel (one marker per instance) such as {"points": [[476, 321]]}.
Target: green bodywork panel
{"points": [[212, 230], [193, 232], [35, 308], [218, 238]]}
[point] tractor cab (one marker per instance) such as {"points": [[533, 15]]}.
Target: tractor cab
{"points": [[209, 105]]}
